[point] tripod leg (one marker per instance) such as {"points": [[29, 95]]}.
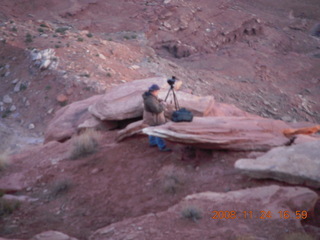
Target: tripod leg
{"points": [[167, 95], [176, 103]]}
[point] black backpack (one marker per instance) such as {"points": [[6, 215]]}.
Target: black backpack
{"points": [[182, 115]]}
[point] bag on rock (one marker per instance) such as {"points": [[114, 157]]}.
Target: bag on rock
{"points": [[182, 115]]}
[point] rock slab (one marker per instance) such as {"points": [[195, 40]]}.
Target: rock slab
{"points": [[52, 235], [233, 133], [297, 164], [66, 120], [124, 101], [213, 219]]}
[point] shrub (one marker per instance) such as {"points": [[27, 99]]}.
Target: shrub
{"points": [[28, 38], [40, 30], [89, 35], [7, 207], [191, 213], [85, 144], [60, 188], [171, 184], [62, 30], [4, 160], [80, 39]]}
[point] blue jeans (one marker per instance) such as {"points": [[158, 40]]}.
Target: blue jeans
{"points": [[153, 141]]}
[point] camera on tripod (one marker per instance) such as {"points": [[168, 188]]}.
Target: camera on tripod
{"points": [[171, 81], [180, 114]]}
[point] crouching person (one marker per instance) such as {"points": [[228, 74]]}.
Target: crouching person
{"points": [[153, 115]]}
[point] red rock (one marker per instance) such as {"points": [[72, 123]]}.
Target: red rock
{"points": [[220, 215], [66, 120], [124, 101], [61, 98], [235, 133]]}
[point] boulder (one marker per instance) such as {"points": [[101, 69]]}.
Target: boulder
{"points": [[199, 106], [296, 164], [66, 121], [12, 183], [257, 213], [125, 101], [52, 235], [234, 133]]}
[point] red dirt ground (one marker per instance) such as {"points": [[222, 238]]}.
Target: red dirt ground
{"points": [[273, 73]]}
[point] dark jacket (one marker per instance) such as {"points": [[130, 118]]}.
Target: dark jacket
{"points": [[153, 113]]}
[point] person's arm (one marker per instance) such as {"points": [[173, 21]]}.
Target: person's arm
{"points": [[154, 106]]}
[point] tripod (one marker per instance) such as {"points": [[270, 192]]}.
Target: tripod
{"points": [[176, 103]]}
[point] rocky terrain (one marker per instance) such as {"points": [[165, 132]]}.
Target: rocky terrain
{"points": [[250, 72]]}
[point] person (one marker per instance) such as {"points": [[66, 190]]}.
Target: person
{"points": [[153, 115]]}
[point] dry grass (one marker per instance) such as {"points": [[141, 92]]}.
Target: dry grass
{"points": [[60, 188], [191, 213], [4, 160], [7, 207], [85, 144], [171, 184]]}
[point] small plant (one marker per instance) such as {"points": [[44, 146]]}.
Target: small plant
{"points": [[110, 39], [191, 213], [62, 30], [126, 37], [43, 25], [28, 38], [4, 160], [48, 87], [41, 30], [87, 75], [14, 29], [109, 74], [80, 39], [64, 103], [57, 46], [171, 184], [23, 87], [60, 188], [7, 207], [89, 35], [134, 36], [6, 113], [85, 144], [54, 35]]}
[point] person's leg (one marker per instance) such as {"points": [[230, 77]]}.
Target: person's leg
{"points": [[152, 141], [161, 143]]}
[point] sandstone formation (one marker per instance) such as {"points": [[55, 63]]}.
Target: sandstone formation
{"points": [[203, 106], [297, 164], [124, 101], [52, 235], [235, 133], [67, 119], [221, 216]]}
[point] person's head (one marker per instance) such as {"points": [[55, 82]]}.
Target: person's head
{"points": [[154, 89]]}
